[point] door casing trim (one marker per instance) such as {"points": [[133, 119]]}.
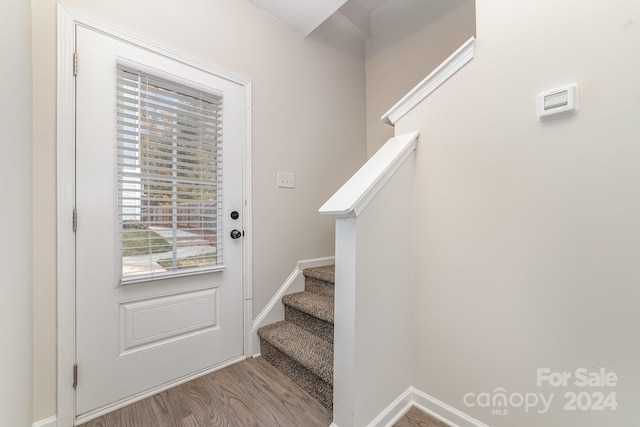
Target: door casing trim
{"points": [[68, 19]]}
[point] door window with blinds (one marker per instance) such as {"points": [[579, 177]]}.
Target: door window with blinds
{"points": [[169, 177]]}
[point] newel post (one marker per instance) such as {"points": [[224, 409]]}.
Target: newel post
{"points": [[373, 309]]}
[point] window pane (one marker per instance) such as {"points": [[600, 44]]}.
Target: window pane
{"points": [[169, 180]]}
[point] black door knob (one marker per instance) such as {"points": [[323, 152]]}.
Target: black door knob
{"points": [[235, 234]]}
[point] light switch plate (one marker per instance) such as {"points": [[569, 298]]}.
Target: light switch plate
{"points": [[286, 179]]}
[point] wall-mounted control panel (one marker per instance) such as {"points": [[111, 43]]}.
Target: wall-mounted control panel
{"points": [[559, 102]]}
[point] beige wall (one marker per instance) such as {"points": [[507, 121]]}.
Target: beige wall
{"points": [[527, 237], [44, 209], [308, 118], [410, 38], [15, 217]]}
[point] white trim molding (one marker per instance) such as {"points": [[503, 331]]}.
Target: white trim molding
{"points": [[68, 20], [440, 410], [351, 199], [65, 250], [433, 81], [395, 410], [413, 397], [47, 422], [274, 310]]}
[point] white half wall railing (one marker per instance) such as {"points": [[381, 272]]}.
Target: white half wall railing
{"points": [[372, 338]]}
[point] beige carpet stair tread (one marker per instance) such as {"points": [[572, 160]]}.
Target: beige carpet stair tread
{"points": [[320, 306], [306, 348], [326, 273]]}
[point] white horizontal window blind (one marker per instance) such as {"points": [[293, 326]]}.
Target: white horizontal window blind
{"points": [[169, 177]]}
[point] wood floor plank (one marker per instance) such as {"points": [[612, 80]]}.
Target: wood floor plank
{"points": [[189, 421], [273, 397], [111, 419], [140, 414], [229, 395], [176, 405], [297, 406], [416, 418], [224, 405], [206, 404], [251, 393]]}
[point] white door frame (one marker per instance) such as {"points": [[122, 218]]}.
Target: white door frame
{"points": [[68, 19]]}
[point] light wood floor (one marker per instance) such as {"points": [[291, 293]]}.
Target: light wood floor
{"points": [[251, 393], [417, 418]]}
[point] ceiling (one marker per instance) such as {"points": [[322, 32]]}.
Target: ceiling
{"points": [[371, 5], [358, 27], [306, 15], [302, 15]]}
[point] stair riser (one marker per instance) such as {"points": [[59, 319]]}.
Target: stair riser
{"points": [[309, 323], [318, 286], [312, 384]]}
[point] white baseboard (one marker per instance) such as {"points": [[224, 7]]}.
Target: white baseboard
{"points": [[47, 422], [426, 403], [274, 310], [395, 410], [442, 411]]}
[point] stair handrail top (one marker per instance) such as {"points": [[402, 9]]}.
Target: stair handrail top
{"points": [[352, 198]]}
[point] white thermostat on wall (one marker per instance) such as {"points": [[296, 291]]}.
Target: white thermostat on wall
{"points": [[559, 102]]}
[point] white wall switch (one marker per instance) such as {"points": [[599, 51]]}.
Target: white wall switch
{"points": [[286, 179]]}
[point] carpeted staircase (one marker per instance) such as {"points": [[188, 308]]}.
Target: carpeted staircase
{"points": [[301, 346]]}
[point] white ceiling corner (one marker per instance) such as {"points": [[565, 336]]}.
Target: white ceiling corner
{"points": [[371, 5], [357, 17], [302, 15]]}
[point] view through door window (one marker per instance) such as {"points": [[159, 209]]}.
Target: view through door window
{"points": [[169, 177]]}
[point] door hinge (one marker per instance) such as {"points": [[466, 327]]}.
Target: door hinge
{"points": [[75, 375], [75, 219], [75, 63]]}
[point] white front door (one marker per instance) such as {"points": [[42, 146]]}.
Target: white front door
{"points": [[159, 293]]}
